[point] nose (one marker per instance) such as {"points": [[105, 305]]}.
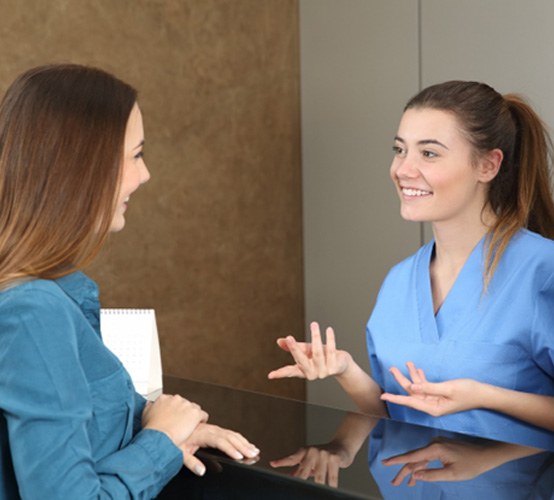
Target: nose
{"points": [[404, 168], [144, 174]]}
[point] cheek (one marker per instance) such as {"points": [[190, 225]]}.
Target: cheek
{"points": [[129, 182], [392, 170]]}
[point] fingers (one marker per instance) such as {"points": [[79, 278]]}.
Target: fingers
{"points": [[286, 372], [320, 469], [291, 460], [400, 378], [430, 405], [313, 360], [414, 373], [235, 445], [318, 355], [193, 464], [333, 471], [307, 466], [412, 456], [304, 362], [331, 351]]}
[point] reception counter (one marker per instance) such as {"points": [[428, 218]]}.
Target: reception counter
{"points": [[316, 452]]}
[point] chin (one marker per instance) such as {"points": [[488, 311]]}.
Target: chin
{"points": [[412, 217], [117, 225]]}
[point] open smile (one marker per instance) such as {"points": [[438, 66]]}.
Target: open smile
{"points": [[415, 193]]}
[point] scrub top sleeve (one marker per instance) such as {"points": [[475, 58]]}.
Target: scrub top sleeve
{"points": [[543, 328], [375, 367], [45, 400]]}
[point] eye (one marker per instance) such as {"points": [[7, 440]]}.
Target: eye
{"points": [[429, 154], [139, 155], [398, 150]]}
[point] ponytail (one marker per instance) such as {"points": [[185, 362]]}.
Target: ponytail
{"points": [[525, 201]]}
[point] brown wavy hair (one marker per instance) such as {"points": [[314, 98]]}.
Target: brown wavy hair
{"points": [[521, 193], [62, 132]]}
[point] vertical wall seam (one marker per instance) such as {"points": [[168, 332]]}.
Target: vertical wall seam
{"points": [[420, 87]]}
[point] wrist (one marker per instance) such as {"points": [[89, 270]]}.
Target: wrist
{"points": [[347, 367], [487, 396]]}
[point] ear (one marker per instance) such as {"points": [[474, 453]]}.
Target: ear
{"points": [[489, 165]]}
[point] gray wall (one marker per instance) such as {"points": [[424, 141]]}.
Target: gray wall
{"points": [[360, 62]]}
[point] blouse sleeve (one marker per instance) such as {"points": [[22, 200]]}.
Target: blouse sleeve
{"points": [[46, 402]]}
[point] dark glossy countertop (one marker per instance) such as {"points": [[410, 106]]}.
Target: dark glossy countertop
{"points": [[297, 430]]}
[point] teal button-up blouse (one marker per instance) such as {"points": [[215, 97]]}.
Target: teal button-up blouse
{"points": [[69, 415]]}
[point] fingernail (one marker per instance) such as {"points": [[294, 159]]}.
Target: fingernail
{"points": [[200, 470], [238, 455]]}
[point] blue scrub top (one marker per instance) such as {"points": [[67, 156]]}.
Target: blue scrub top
{"points": [[69, 415], [503, 336]]}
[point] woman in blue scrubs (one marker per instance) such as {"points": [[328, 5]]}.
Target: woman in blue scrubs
{"points": [[71, 424], [462, 333]]}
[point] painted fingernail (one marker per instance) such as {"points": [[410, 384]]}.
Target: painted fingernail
{"points": [[200, 470]]}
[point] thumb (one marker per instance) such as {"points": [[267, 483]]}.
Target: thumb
{"points": [[432, 475], [282, 343], [435, 389]]}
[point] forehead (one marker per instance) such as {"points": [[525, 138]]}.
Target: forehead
{"points": [[421, 124], [134, 131]]}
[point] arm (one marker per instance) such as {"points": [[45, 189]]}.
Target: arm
{"points": [[453, 396], [318, 361], [59, 448]]}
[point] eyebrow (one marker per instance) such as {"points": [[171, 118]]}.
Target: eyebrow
{"points": [[423, 142], [139, 145]]}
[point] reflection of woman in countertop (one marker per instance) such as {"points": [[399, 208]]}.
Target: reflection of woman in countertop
{"points": [[409, 461], [71, 424], [471, 314]]}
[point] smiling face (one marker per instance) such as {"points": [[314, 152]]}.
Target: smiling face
{"points": [[433, 171], [133, 169]]}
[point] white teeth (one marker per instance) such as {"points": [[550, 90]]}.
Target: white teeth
{"points": [[415, 192]]}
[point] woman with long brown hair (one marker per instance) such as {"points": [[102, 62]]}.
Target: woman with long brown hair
{"points": [[71, 424], [471, 314]]}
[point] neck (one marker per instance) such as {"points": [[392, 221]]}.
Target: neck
{"points": [[455, 241]]}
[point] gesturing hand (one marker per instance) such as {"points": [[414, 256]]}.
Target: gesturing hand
{"points": [[436, 399], [313, 360]]}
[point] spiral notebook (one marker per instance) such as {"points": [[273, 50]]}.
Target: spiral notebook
{"points": [[132, 335]]}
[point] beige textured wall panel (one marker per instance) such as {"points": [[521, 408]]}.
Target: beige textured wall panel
{"points": [[213, 242]]}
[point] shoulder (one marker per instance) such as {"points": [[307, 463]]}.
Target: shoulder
{"points": [[532, 251], [534, 242], [406, 268], [39, 310], [36, 293]]}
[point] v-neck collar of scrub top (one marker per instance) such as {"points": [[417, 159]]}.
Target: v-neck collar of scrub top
{"points": [[462, 301]]}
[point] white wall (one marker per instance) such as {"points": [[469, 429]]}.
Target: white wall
{"points": [[360, 62]]}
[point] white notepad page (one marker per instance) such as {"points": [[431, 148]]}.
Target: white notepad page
{"points": [[132, 335]]}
